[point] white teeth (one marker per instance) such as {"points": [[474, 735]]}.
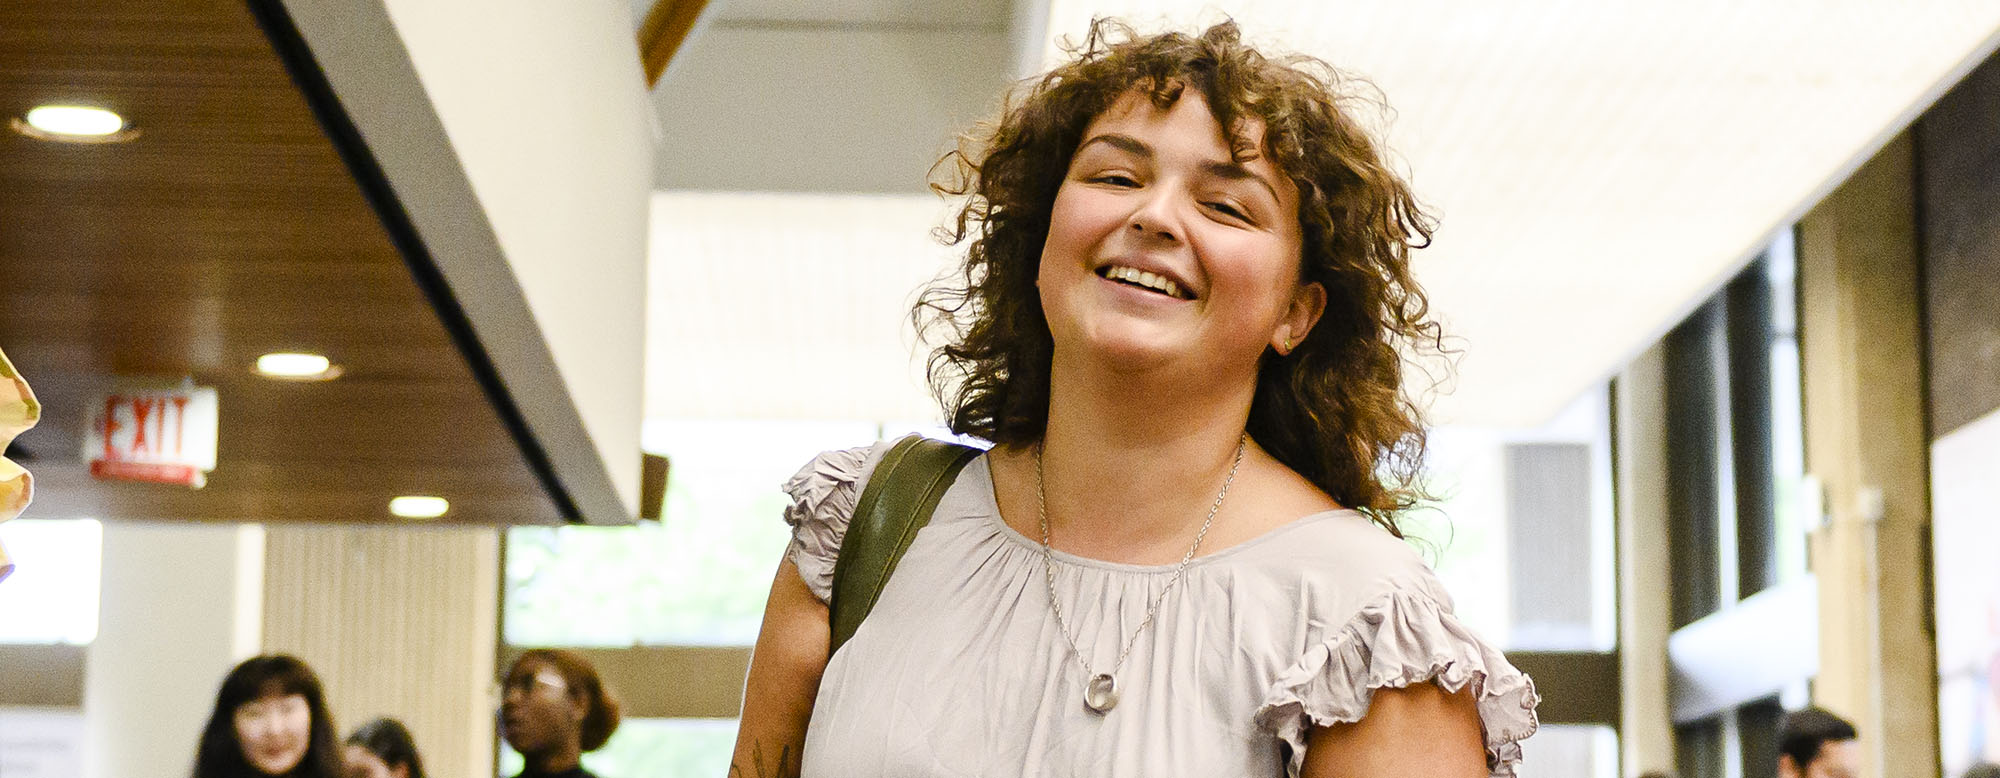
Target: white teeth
{"points": [[1153, 281]]}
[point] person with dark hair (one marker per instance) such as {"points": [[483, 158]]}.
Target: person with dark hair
{"points": [[1814, 743], [1182, 319], [383, 748], [553, 709], [1982, 770], [270, 719]]}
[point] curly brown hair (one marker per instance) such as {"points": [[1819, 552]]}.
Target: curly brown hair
{"points": [[1333, 409]]}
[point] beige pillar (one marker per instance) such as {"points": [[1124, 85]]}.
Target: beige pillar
{"points": [[398, 621], [1645, 607], [1860, 340], [177, 608]]}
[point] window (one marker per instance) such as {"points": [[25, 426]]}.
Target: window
{"points": [[1787, 417], [1571, 751], [1737, 449], [52, 595], [1735, 459], [1522, 533], [41, 743], [1702, 747], [697, 577]]}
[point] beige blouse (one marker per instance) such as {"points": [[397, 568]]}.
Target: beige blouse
{"points": [[960, 669]]}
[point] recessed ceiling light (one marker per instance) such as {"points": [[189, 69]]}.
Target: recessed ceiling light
{"points": [[418, 507], [296, 366], [74, 124]]}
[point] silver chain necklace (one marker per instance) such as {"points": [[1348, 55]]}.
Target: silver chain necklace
{"points": [[1100, 694]]}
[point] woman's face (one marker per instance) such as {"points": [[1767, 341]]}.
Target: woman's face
{"points": [[274, 731], [1166, 251], [537, 710]]}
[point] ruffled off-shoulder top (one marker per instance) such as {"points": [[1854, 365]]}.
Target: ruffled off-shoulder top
{"points": [[960, 669]]}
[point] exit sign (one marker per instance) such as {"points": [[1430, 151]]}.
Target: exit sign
{"points": [[158, 435]]}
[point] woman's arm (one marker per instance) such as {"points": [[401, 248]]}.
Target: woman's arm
{"points": [[1417, 731], [785, 669]]}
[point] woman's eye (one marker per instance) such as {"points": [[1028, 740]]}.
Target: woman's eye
{"points": [[1229, 211], [1115, 180]]}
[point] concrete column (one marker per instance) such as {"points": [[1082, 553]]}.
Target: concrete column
{"points": [[1645, 607], [1860, 341], [180, 604]]}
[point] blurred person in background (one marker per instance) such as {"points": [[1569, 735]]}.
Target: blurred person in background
{"points": [[1982, 770], [270, 719], [1814, 743], [383, 748], [553, 708]]}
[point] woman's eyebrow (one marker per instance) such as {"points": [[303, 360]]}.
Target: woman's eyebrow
{"points": [[1228, 171], [1236, 171], [1125, 143]]}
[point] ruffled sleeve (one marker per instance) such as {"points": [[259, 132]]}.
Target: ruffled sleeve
{"points": [[823, 494], [1404, 636]]}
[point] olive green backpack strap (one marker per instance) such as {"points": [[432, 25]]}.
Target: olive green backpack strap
{"points": [[900, 496]]}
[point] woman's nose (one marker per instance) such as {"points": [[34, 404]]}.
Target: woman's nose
{"points": [[1155, 219]]}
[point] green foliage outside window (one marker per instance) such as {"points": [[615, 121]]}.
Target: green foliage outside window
{"points": [[699, 576]]}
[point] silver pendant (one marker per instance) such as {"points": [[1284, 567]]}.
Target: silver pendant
{"points": [[1101, 694]]}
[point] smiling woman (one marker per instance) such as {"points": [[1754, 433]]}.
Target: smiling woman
{"points": [[270, 719], [1293, 170], [1180, 320]]}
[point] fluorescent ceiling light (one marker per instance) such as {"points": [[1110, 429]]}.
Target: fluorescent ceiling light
{"points": [[295, 366], [75, 120], [418, 507], [73, 124]]}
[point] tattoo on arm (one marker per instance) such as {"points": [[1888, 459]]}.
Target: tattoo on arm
{"points": [[786, 764]]}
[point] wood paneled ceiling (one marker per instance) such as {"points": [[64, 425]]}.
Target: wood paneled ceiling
{"points": [[229, 228]]}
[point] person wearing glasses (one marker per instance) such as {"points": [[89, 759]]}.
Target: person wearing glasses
{"points": [[553, 709]]}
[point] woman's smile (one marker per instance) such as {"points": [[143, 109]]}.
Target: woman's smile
{"points": [[1148, 281], [1166, 243]]}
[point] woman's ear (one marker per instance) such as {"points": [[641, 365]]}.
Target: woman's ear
{"points": [[1308, 302], [400, 770]]}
